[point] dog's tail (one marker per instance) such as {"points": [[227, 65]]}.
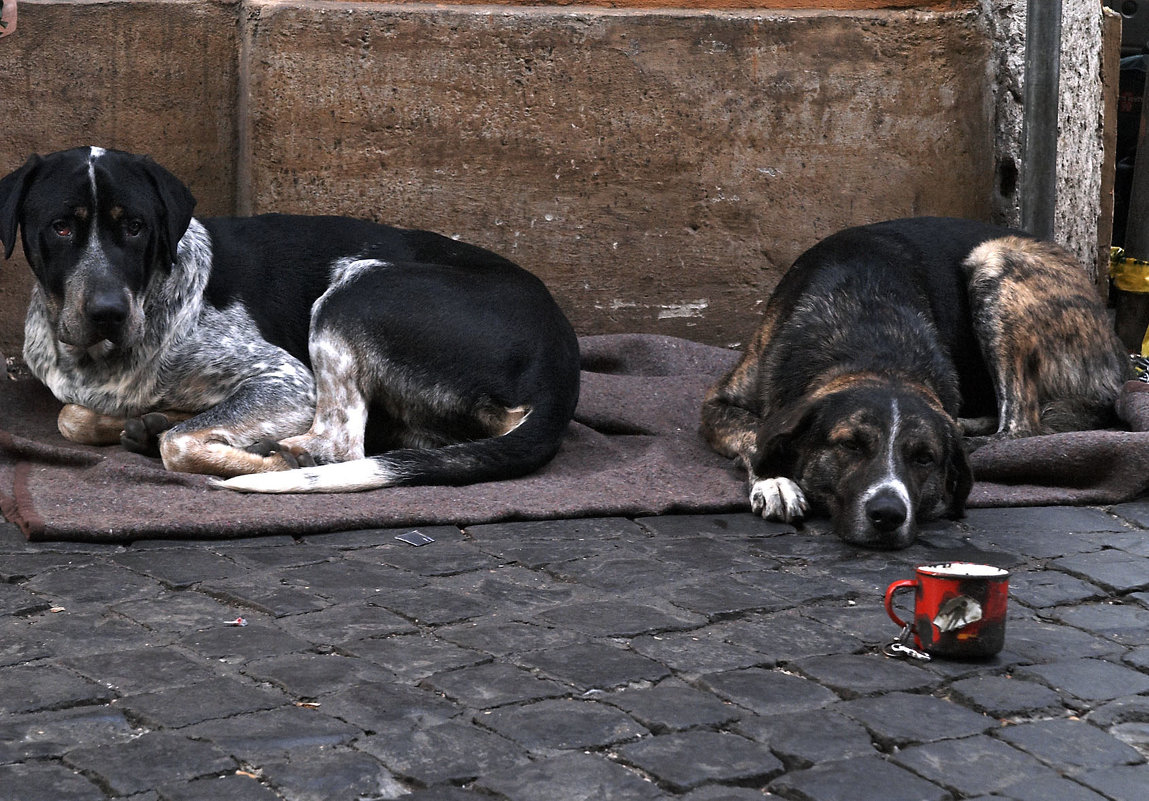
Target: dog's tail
{"points": [[526, 448]]}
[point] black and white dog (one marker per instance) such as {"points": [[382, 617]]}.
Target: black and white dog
{"points": [[847, 400], [244, 347]]}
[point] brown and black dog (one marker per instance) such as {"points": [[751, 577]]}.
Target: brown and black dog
{"points": [[847, 400]]}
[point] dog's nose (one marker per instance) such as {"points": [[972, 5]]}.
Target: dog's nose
{"points": [[886, 511], [107, 311]]}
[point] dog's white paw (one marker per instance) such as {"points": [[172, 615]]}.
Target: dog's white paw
{"points": [[777, 499]]}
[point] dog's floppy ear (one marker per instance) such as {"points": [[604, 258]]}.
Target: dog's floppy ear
{"points": [[13, 188], [959, 475], [778, 438], [178, 204]]}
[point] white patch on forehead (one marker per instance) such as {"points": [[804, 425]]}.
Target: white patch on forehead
{"points": [[93, 154]]}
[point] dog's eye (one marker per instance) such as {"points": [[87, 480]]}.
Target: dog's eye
{"points": [[62, 228], [922, 456], [852, 445], [133, 227]]}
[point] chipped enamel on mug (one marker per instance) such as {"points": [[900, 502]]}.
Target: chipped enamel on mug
{"points": [[959, 609]]}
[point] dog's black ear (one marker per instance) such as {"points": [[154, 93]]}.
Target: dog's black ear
{"points": [[959, 476], [778, 438], [178, 204], [13, 188]]}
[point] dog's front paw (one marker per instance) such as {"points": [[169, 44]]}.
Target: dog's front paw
{"points": [[777, 499], [292, 458], [142, 434]]}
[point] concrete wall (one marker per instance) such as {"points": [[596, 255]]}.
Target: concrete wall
{"points": [[658, 168]]}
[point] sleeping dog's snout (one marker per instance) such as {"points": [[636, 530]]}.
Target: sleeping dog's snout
{"points": [[886, 510]]}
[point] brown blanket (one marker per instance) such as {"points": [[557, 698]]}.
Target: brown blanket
{"points": [[634, 449]]}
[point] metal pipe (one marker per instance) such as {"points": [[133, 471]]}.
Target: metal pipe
{"points": [[1039, 123]]}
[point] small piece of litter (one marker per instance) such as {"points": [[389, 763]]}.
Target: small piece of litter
{"points": [[239, 621], [57, 609], [307, 704], [415, 538]]}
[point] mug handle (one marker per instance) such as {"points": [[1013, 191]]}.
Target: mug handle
{"points": [[890, 590]]}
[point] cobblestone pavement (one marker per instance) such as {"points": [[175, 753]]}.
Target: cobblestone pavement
{"points": [[707, 658]]}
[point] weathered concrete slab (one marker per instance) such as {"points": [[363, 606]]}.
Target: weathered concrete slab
{"points": [[657, 169]]}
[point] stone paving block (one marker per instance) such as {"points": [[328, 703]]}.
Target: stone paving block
{"points": [[1117, 571], [686, 556], [375, 537], [571, 777], [292, 554], [1043, 544], [787, 636], [595, 665], [238, 644], [1070, 745], [561, 724], [1038, 641], [264, 594], [722, 599], [434, 606], [1138, 658], [140, 669], [516, 589], [45, 781], [275, 733], [311, 675], [149, 761], [501, 637], [1049, 788], [1003, 697], [16, 600], [494, 684], [698, 653], [412, 656], [1122, 710], [74, 633], [801, 586], [1123, 783], [50, 734], [1066, 519], [674, 707], [1044, 588], [439, 558], [619, 572], [973, 765], [446, 793], [859, 779], [1127, 624], [806, 739], [620, 618], [325, 775], [1134, 542], [344, 623], [20, 566], [538, 543], [35, 688], [898, 719], [96, 583], [768, 692], [178, 612], [851, 675], [389, 707], [865, 621], [15, 651], [718, 792], [350, 579], [184, 706], [686, 760], [731, 527], [454, 752], [233, 787], [180, 568], [1088, 679]]}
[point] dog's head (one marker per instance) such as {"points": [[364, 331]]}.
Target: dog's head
{"points": [[878, 458], [96, 226]]}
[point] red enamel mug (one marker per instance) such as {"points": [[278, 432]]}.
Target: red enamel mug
{"points": [[959, 609]]}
